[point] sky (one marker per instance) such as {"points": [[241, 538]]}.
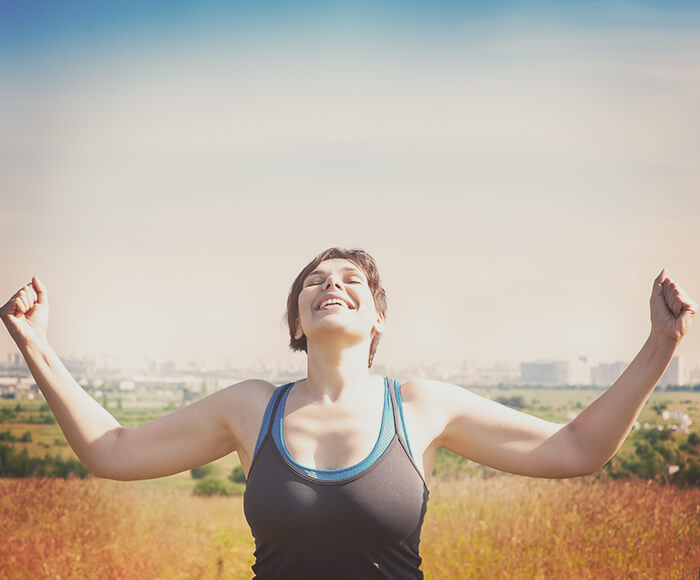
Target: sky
{"points": [[520, 171]]}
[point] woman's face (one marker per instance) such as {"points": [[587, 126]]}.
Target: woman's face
{"points": [[336, 297]]}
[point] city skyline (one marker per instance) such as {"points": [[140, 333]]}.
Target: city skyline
{"points": [[521, 175], [543, 372]]}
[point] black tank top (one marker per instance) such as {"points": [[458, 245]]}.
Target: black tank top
{"points": [[360, 522]]}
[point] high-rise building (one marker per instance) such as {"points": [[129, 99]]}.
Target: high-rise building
{"points": [[556, 373], [605, 374], [675, 373]]}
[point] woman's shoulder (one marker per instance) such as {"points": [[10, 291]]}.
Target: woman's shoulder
{"points": [[422, 388], [242, 405], [428, 395], [427, 406], [239, 401], [251, 391]]}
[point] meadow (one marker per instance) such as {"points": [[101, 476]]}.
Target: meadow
{"points": [[498, 527], [486, 526]]}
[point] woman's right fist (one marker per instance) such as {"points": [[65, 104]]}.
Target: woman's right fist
{"points": [[26, 314]]}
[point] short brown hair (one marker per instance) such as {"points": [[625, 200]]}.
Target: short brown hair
{"points": [[356, 256]]}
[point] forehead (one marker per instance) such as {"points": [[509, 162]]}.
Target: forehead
{"points": [[337, 266]]}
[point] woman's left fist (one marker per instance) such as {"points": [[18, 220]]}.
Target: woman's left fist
{"points": [[672, 310]]}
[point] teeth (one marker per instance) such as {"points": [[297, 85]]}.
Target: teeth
{"points": [[333, 301]]}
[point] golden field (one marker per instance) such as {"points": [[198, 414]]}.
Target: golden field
{"points": [[499, 527]]}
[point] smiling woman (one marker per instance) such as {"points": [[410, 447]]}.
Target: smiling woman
{"points": [[357, 268], [338, 462]]}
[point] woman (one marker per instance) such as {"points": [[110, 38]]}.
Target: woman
{"points": [[326, 496]]}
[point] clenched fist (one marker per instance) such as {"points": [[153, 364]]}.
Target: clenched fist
{"points": [[26, 314], [672, 310]]}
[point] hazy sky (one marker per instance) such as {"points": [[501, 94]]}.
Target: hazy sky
{"points": [[521, 172]]}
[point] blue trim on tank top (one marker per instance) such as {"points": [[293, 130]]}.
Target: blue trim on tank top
{"points": [[266, 418], [386, 434], [383, 440], [399, 404]]}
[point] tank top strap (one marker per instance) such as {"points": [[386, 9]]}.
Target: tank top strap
{"points": [[270, 412], [399, 424]]}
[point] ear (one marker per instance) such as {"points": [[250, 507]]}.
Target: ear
{"points": [[378, 325], [298, 333]]}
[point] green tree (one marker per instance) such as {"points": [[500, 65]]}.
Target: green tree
{"points": [[237, 475], [201, 472]]}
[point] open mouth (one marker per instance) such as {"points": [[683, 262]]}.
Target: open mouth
{"points": [[331, 303]]}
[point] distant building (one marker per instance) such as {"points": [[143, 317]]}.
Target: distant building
{"points": [[693, 376], [14, 360], [674, 374], [127, 385], [605, 374], [168, 368], [556, 373]]}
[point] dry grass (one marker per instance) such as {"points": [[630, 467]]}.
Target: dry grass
{"points": [[504, 527], [515, 527], [100, 529]]}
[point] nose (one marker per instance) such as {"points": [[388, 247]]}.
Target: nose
{"points": [[332, 281]]}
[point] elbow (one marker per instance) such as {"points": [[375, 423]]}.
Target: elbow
{"points": [[589, 464], [583, 457], [103, 469], [105, 472], [588, 454], [106, 464], [109, 470]]}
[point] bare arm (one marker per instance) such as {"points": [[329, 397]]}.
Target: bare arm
{"points": [[598, 432], [508, 440], [191, 436]]}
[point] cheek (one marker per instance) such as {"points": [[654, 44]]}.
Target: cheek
{"points": [[304, 303]]}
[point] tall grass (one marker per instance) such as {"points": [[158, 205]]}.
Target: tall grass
{"points": [[516, 527], [501, 527], [101, 529]]}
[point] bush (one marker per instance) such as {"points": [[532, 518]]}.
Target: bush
{"points": [[41, 419], [7, 415], [649, 453], [515, 402], [201, 472], [237, 475], [215, 486], [14, 464], [8, 436]]}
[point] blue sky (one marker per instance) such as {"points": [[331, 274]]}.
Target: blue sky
{"points": [[30, 28], [541, 161]]}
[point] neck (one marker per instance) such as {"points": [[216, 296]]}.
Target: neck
{"points": [[331, 370]]}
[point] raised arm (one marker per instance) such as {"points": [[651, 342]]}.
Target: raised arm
{"points": [[192, 436], [495, 435]]}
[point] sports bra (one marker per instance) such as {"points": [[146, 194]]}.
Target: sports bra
{"points": [[358, 522]]}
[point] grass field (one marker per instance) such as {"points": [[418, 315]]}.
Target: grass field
{"points": [[502, 527], [493, 527]]}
